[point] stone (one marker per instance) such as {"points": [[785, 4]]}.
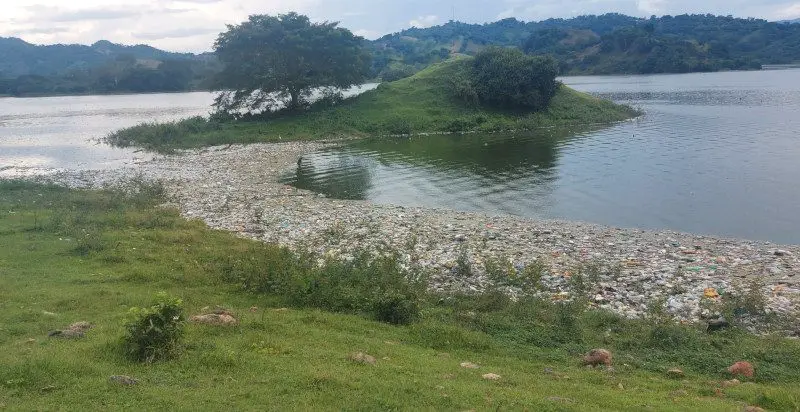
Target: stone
{"points": [[66, 334], [717, 324], [753, 409], [123, 380], [491, 377], [597, 357], [730, 383], [469, 365], [361, 357], [742, 368], [675, 373], [780, 252], [215, 319], [81, 326]]}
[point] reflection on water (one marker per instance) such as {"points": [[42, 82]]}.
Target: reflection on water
{"points": [[715, 153]]}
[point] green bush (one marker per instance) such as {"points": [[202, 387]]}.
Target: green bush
{"points": [[396, 309], [154, 333], [397, 71], [508, 78]]}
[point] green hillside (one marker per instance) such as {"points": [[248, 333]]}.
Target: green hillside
{"points": [[606, 44], [422, 103]]}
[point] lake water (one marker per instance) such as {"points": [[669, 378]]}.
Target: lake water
{"points": [[715, 153], [46, 134], [49, 134]]}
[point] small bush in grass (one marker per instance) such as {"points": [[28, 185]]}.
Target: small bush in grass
{"points": [[154, 333], [396, 309]]}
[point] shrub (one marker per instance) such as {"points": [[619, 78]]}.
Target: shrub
{"points": [[396, 309], [508, 78], [397, 71], [154, 333]]}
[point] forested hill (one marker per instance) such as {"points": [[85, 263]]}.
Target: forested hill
{"points": [[103, 67], [611, 43]]}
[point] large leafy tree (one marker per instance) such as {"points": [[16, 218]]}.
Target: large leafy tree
{"points": [[274, 61], [508, 78]]}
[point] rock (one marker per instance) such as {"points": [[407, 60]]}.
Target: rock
{"points": [[597, 357], [711, 293], [460, 237], [491, 377], [560, 399], [717, 324], [469, 365], [81, 326], [742, 368], [780, 252], [362, 357], [730, 383], [123, 380], [753, 409], [66, 334], [675, 373], [215, 319]]}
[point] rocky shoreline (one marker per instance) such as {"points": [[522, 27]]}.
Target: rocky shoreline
{"points": [[237, 188]]}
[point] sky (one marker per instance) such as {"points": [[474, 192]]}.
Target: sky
{"points": [[192, 25]]}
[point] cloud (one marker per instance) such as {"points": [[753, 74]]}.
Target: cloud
{"points": [[177, 33], [185, 25], [424, 21]]}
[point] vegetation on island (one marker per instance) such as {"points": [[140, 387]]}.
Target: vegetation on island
{"points": [[447, 97], [274, 62], [101, 256]]}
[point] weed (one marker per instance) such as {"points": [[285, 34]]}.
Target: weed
{"points": [[154, 333]]}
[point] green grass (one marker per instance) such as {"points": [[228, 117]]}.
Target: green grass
{"points": [[73, 255], [418, 104]]}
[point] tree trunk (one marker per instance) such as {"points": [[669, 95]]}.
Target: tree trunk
{"points": [[295, 104]]}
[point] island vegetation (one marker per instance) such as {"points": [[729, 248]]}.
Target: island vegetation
{"points": [[338, 335], [500, 89]]}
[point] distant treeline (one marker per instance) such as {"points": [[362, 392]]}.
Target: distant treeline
{"points": [[125, 74], [607, 44]]}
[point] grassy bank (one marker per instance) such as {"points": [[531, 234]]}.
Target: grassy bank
{"points": [[418, 104], [78, 255]]}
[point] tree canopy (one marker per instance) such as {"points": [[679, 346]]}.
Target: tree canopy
{"points": [[278, 61], [508, 78]]}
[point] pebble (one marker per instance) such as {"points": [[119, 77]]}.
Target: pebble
{"points": [[237, 188]]}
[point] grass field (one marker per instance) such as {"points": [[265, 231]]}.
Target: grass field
{"points": [[418, 104], [73, 255]]}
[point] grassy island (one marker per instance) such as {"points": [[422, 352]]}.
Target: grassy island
{"points": [[422, 103]]}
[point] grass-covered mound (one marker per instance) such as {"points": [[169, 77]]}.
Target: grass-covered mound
{"points": [[71, 256], [422, 103]]}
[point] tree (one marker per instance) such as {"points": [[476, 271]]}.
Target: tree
{"points": [[273, 61], [508, 78]]}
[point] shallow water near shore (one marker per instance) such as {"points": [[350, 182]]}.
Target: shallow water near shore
{"points": [[714, 154]]}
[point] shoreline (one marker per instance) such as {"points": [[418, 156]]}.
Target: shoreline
{"points": [[236, 188]]}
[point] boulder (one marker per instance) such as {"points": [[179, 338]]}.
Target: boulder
{"points": [[217, 319], [675, 373], [491, 377], [362, 357], [742, 368], [597, 357]]}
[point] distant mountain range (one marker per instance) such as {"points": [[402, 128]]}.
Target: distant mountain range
{"points": [[606, 44], [18, 57]]}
